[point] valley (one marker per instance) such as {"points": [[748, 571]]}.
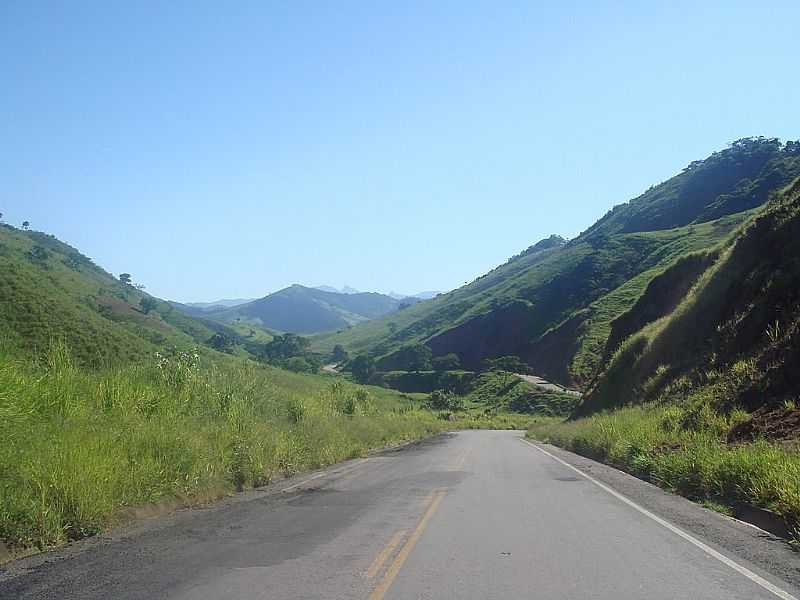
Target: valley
{"points": [[392, 301], [661, 341]]}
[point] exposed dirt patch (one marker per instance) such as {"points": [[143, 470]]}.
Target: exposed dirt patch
{"points": [[778, 424]]}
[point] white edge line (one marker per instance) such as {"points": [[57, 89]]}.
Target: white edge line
{"points": [[757, 579], [339, 471]]}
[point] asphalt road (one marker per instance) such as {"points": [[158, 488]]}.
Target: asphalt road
{"points": [[478, 514]]}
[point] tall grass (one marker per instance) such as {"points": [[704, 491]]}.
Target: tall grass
{"points": [[683, 449], [80, 447]]}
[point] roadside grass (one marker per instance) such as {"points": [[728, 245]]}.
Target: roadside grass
{"points": [[683, 449], [85, 450], [83, 447]]}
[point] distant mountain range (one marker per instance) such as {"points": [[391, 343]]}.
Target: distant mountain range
{"points": [[418, 296], [349, 290], [300, 309], [220, 303]]}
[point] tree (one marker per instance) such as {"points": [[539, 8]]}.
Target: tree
{"points": [[339, 354], [415, 358], [445, 400], [506, 366], [26, 225], [148, 303], [285, 346], [298, 364], [1, 217], [362, 367], [392, 327], [221, 342], [448, 362], [125, 278], [512, 364]]}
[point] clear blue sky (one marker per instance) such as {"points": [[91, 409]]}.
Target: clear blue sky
{"points": [[230, 149]]}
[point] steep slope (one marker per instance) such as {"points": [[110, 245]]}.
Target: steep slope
{"points": [[300, 309], [50, 292], [736, 335], [553, 305], [730, 181], [418, 322]]}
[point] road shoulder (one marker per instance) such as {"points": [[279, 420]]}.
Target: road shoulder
{"points": [[182, 515], [737, 539]]}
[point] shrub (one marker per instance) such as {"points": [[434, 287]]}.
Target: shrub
{"points": [[444, 400], [298, 364]]}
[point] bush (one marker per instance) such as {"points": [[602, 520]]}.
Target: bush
{"points": [[298, 364], [362, 367], [444, 400], [448, 362], [458, 382]]}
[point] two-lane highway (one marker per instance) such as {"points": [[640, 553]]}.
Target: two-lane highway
{"points": [[479, 514]]}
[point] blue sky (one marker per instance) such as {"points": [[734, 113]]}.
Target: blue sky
{"points": [[228, 151]]}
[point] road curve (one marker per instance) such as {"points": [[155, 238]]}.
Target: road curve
{"points": [[479, 514], [544, 384]]}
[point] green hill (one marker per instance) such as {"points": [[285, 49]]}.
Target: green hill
{"points": [[735, 332], [554, 304], [299, 309], [51, 292], [106, 406], [697, 390]]}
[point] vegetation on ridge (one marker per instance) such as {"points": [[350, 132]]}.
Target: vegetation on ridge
{"points": [[714, 376], [553, 304]]}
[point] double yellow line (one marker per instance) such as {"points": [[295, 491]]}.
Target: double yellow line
{"points": [[431, 503]]}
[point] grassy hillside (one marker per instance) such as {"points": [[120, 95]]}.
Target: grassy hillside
{"points": [[417, 322], [553, 305], [300, 309], [83, 447], [699, 390], [573, 350], [108, 403], [49, 291], [735, 332]]}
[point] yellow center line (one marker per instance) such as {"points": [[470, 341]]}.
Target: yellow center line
{"points": [[385, 553], [380, 591]]}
